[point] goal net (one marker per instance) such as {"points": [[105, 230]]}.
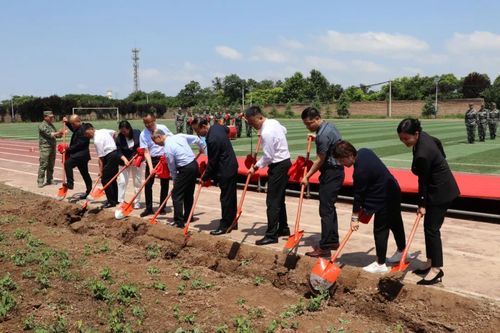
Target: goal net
{"points": [[97, 113]]}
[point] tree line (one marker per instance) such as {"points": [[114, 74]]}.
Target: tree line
{"points": [[229, 92]]}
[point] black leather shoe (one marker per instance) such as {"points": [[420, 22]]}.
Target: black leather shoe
{"points": [[108, 205], [438, 278], [83, 196], [284, 233], [266, 240], [146, 212], [218, 231], [68, 185], [421, 271], [163, 211], [179, 225], [319, 252]]}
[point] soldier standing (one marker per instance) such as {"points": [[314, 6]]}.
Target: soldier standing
{"points": [[493, 119], [189, 128], [179, 121], [249, 128], [471, 123], [238, 123], [482, 117], [47, 135]]}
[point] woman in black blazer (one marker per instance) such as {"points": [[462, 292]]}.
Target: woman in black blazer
{"points": [[437, 189]]}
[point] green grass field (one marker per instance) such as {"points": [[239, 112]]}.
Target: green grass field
{"points": [[379, 135]]}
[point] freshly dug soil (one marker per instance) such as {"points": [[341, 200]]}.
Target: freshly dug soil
{"points": [[81, 271]]}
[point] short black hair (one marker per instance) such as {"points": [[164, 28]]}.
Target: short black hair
{"points": [[149, 114], [200, 121], [253, 111], [409, 126], [310, 113], [87, 126]]}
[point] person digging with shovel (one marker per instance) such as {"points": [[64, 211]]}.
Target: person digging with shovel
{"points": [[330, 181], [377, 192], [222, 167], [183, 170]]}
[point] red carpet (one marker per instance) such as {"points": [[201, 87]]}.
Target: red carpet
{"points": [[471, 185]]}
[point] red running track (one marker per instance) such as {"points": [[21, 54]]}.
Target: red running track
{"points": [[471, 185]]}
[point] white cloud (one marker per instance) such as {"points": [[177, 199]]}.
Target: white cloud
{"points": [[412, 71], [325, 63], [477, 41], [372, 42], [291, 43], [269, 54], [149, 73], [228, 52], [82, 86], [367, 66]]}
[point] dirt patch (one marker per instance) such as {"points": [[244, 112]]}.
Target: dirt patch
{"points": [[86, 272]]}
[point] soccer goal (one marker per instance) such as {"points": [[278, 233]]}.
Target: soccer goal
{"points": [[97, 113]]}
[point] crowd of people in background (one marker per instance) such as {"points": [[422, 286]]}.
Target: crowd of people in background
{"points": [[376, 191], [482, 120]]}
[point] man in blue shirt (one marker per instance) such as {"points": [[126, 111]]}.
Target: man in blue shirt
{"points": [[183, 170], [330, 180], [152, 154]]}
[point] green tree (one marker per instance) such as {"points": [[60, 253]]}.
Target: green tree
{"points": [[474, 84], [274, 112], [188, 96], [343, 105], [232, 86], [289, 111], [294, 88], [429, 108], [318, 87]]}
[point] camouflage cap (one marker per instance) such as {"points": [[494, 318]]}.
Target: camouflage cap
{"points": [[48, 114]]}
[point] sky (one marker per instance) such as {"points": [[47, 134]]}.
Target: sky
{"points": [[63, 46]]}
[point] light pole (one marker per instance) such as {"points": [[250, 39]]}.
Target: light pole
{"points": [[12, 107], [242, 99], [436, 82], [390, 100]]}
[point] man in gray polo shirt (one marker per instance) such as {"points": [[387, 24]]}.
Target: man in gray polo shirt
{"points": [[330, 180]]}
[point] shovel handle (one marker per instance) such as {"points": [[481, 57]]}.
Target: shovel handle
{"points": [[410, 239], [341, 246], [190, 217], [152, 174], [153, 219], [118, 173]]}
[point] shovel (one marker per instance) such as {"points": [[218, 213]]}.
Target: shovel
{"points": [[293, 241], [186, 232], [63, 190], [403, 263], [153, 219], [324, 272], [253, 158], [127, 207], [96, 194], [86, 203]]}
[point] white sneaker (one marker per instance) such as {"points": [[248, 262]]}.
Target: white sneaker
{"points": [[374, 267], [395, 258], [137, 205]]}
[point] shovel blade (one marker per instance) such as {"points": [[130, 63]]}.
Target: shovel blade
{"points": [[401, 267], [124, 210], [323, 274], [293, 241], [153, 220], [96, 194], [61, 194]]}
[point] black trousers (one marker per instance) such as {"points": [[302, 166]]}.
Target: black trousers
{"points": [[83, 167], [275, 198], [330, 182], [433, 220], [388, 218], [148, 190], [183, 192], [110, 169], [228, 200]]}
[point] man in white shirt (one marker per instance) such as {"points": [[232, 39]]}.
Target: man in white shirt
{"points": [[109, 158], [152, 154], [276, 156], [183, 170]]}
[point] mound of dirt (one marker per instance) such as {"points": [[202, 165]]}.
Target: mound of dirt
{"points": [[370, 302]]}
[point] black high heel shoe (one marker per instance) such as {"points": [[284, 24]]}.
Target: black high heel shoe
{"points": [[438, 278], [421, 271]]}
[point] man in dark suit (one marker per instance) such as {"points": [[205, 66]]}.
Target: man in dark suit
{"points": [[222, 167], [79, 155]]}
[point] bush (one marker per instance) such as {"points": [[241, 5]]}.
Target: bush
{"points": [[343, 104], [429, 108], [288, 111], [274, 112]]}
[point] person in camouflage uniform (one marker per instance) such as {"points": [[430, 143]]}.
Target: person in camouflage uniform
{"points": [[471, 123], [493, 120], [47, 135], [249, 128], [179, 121], [482, 117], [189, 128], [238, 123]]}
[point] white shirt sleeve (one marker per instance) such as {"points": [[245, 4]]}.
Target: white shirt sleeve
{"points": [[142, 140], [268, 153]]}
